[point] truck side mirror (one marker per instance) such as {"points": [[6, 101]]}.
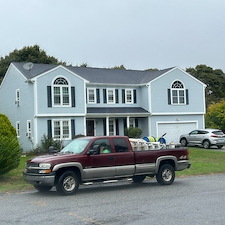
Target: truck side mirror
{"points": [[94, 150]]}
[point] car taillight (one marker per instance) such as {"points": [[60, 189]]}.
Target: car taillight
{"points": [[213, 135]]}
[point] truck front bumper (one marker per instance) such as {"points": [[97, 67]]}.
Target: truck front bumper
{"points": [[37, 179], [182, 165]]}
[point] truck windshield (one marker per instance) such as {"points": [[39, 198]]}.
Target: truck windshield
{"points": [[76, 146]]}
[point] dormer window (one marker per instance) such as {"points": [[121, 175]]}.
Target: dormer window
{"points": [[61, 92]]}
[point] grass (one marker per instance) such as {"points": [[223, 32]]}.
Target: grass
{"points": [[202, 162]]}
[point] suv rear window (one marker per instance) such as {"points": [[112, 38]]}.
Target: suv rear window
{"points": [[218, 132]]}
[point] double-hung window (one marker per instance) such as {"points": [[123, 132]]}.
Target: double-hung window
{"points": [[61, 129], [91, 95], [111, 96], [177, 93], [61, 92], [129, 96]]}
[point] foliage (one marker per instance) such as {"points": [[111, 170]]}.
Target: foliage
{"points": [[6, 129], [10, 151], [133, 132], [46, 143], [121, 67], [26, 54], [215, 116], [214, 79]]}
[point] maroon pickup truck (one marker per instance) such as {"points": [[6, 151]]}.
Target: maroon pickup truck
{"points": [[90, 159]]}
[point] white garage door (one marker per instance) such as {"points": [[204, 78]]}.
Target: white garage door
{"points": [[174, 130]]}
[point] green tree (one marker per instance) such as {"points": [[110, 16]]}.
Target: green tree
{"points": [[121, 67], [215, 116], [9, 146], [26, 54], [214, 79]]}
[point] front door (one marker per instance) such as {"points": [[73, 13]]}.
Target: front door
{"points": [[90, 126]]}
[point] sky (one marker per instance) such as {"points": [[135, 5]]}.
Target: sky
{"points": [[139, 34]]}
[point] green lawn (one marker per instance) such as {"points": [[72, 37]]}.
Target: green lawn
{"points": [[202, 162]]}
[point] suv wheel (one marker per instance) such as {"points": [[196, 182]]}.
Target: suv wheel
{"points": [[183, 142], [67, 183], [206, 144]]}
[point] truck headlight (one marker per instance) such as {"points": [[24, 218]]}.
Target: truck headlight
{"points": [[45, 168]]}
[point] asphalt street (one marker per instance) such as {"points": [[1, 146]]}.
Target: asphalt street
{"points": [[193, 200]]}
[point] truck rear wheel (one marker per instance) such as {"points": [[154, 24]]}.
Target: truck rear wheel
{"points": [[138, 178], [67, 183], [165, 175]]}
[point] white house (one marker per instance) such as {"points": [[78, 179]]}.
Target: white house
{"points": [[64, 101]]}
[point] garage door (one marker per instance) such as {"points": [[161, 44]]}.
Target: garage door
{"points": [[174, 130]]}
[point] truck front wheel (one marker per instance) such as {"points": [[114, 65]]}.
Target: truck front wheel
{"points": [[165, 175], [67, 183]]}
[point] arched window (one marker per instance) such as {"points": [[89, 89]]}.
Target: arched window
{"points": [[177, 92], [61, 92]]}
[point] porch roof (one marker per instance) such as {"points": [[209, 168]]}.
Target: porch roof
{"points": [[125, 111]]}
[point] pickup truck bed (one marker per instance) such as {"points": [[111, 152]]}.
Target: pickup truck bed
{"points": [[103, 158]]}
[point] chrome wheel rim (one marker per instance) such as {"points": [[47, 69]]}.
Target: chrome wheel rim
{"points": [[69, 183], [167, 175]]}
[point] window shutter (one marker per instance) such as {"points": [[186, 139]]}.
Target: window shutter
{"points": [[117, 96], [169, 96], [117, 126], [135, 96], [125, 123], [98, 95], [49, 128], [104, 96], [187, 97], [104, 127], [123, 95], [136, 122], [72, 129], [73, 99], [49, 96]]}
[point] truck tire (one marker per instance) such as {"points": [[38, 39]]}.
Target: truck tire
{"points": [[138, 178], [67, 183], [165, 175], [42, 188]]}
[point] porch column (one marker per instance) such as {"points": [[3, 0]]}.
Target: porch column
{"points": [[107, 126], [128, 122]]}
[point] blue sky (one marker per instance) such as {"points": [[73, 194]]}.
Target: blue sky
{"points": [[139, 34]]}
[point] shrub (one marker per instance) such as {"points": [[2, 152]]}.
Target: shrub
{"points": [[133, 132], [10, 154], [6, 129]]}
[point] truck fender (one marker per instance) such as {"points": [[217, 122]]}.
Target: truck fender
{"points": [[69, 164], [164, 158]]}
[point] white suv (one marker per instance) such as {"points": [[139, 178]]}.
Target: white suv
{"points": [[204, 137]]}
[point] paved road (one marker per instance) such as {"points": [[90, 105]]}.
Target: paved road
{"points": [[193, 200]]}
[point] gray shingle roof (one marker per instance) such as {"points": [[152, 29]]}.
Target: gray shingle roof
{"points": [[97, 75], [120, 110]]}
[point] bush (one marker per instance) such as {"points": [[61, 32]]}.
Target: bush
{"points": [[6, 129], [10, 154], [133, 132], [47, 142]]}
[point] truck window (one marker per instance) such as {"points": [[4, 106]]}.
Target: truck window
{"points": [[103, 146], [120, 145]]}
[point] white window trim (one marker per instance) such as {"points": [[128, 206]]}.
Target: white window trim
{"points": [[18, 129], [114, 96], [61, 92], [61, 127], [114, 127], [132, 121], [132, 96], [177, 90], [88, 96], [17, 101], [28, 133]]}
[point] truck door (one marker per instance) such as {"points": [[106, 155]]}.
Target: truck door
{"points": [[124, 157], [100, 165]]}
